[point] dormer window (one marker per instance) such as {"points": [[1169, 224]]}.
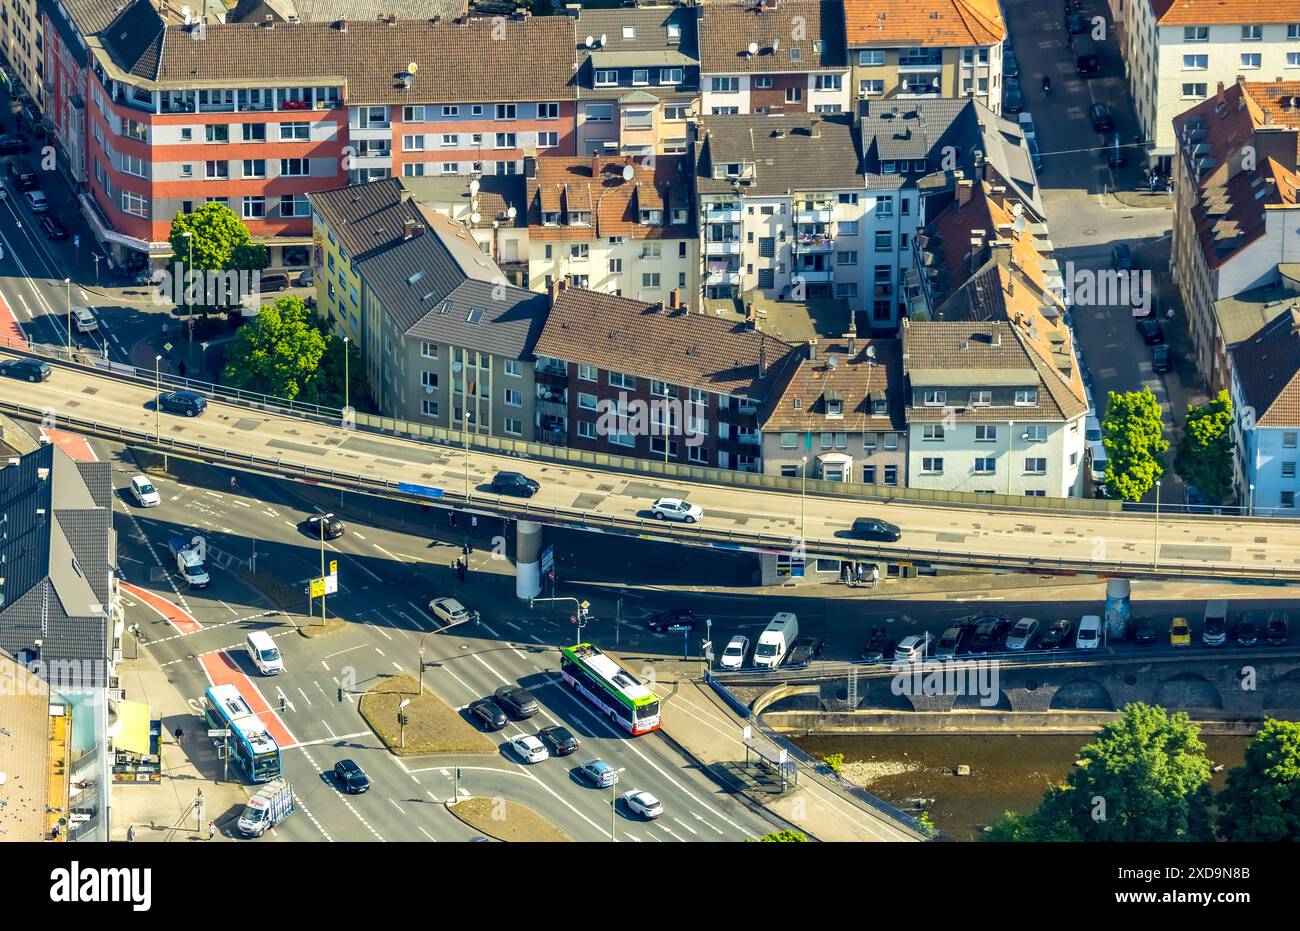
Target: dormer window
{"points": [[606, 78], [652, 217], [834, 402], [641, 76], [981, 398], [550, 218], [674, 32], [733, 169], [579, 218], [879, 406], [629, 32], [888, 168], [680, 216]]}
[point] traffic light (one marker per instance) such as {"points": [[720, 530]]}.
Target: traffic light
{"points": [[530, 603], [282, 701], [402, 719]]}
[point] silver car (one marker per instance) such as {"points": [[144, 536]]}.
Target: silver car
{"points": [[1022, 634]]}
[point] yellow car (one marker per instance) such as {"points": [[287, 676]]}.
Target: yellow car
{"points": [[1180, 632]]}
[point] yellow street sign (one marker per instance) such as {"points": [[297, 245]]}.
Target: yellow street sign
{"points": [[334, 567], [317, 587]]}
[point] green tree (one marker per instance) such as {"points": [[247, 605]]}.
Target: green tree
{"points": [[784, 837], [278, 352], [835, 761], [219, 241], [1145, 778], [1205, 451], [1262, 798], [1133, 436]]}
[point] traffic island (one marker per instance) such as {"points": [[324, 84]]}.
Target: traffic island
{"points": [[432, 726], [505, 820]]}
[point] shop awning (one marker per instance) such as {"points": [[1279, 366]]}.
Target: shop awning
{"points": [[131, 730]]}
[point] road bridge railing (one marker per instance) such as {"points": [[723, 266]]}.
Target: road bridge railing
{"points": [[694, 534], [454, 439]]}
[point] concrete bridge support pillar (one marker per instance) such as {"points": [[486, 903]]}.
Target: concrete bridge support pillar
{"points": [[528, 559]]}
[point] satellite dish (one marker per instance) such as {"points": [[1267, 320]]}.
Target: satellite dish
{"points": [[185, 12], [457, 366], [474, 218], [412, 67], [496, 223], [590, 41], [753, 48], [871, 353], [832, 361], [628, 172], [776, 45], [511, 213], [473, 186]]}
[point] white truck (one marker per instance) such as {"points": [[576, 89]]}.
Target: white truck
{"points": [[189, 559], [271, 805], [775, 641]]}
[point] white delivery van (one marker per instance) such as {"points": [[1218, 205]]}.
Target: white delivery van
{"points": [[775, 642], [264, 653]]}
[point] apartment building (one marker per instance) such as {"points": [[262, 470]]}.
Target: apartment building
{"points": [[913, 153], [446, 339], [258, 115], [638, 79], [996, 395], [840, 417], [493, 208], [617, 224], [1265, 391], [926, 49], [21, 38], [1236, 209], [781, 206], [772, 57], [1177, 52], [692, 383]]}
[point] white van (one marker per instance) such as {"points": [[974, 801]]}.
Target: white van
{"points": [[775, 642], [264, 653]]}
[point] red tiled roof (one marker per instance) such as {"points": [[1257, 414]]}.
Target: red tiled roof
{"points": [[942, 23], [1221, 12], [595, 184]]}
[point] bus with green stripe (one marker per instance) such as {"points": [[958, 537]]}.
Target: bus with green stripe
{"points": [[610, 687]]}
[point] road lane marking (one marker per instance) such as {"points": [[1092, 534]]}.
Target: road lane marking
{"points": [[341, 652], [304, 696]]}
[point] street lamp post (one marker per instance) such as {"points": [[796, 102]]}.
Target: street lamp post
{"points": [[401, 720], [97, 257], [67, 302], [322, 572], [1155, 552], [1011, 440], [803, 501], [347, 395], [1251, 509], [613, 802], [157, 405], [189, 302]]}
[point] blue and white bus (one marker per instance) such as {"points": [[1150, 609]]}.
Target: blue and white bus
{"points": [[250, 745]]}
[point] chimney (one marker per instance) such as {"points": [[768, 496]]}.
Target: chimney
{"points": [[675, 298], [411, 229], [341, 25], [964, 190], [1268, 115], [812, 350], [595, 166], [1002, 252], [557, 285], [1219, 96], [995, 338], [530, 166], [816, 127]]}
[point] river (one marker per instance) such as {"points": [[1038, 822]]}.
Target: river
{"points": [[1008, 772]]}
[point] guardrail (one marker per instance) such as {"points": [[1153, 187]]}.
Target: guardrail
{"points": [[816, 768], [695, 534], [454, 439]]}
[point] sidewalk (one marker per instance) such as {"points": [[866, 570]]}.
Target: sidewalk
{"points": [[164, 811]]}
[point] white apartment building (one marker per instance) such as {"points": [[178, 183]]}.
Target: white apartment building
{"points": [[1266, 403], [1177, 52]]}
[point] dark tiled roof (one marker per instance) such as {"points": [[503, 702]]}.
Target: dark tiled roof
{"points": [[801, 405], [727, 29], [1243, 315], [785, 154], [477, 60], [93, 16], [414, 279], [651, 29], [324, 11], [596, 185], [496, 195], [134, 39], [57, 550], [1267, 367], [693, 350]]}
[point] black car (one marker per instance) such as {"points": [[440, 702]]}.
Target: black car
{"points": [[673, 617], [871, 528], [29, 369], [514, 483], [880, 646], [1160, 359], [1246, 632], [333, 527], [189, 403], [989, 633], [1144, 631], [1013, 98], [53, 229], [559, 741], [1121, 257], [1075, 24], [516, 700], [12, 142], [1057, 635], [351, 777], [1102, 121], [1277, 628], [488, 714], [953, 641], [1149, 329], [804, 651]]}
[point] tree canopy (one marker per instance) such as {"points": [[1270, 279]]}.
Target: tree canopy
{"points": [[220, 240], [1133, 435], [279, 353], [1262, 799], [1205, 451]]}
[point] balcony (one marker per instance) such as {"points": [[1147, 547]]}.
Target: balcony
{"points": [[721, 215], [723, 277], [551, 367], [815, 275], [813, 244], [747, 408], [726, 247], [751, 438], [818, 215], [921, 84]]}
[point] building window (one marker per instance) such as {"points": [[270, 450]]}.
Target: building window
{"points": [[762, 82], [986, 433], [1026, 397], [586, 429], [600, 112], [216, 132], [1036, 465], [650, 280], [506, 141], [871, 87], [505, 111], [675, 112], [793, 94], [429, 379], [429, 350], [1252, 33], [671, 75], [548, 111], [216, 170], [828, 82], [932, 432], [513, 398], [868, 475], [724, 85], [416, 114], [1196, 33], [982, 398], [254, 168], [935, 398], [295, 132], [1289, 439], [1194, 90], [932, 465], [514, 368], [789, 440], [620, 380], [1288, 470], [1035, 433], [848, 227], [295, 167], [789, 471], [587, 372], [548, 140], [254, 207], [986, 465], [135, 204], [868, 57], [640, 76], [294, 205], [884, 241], [891, 475], [429, 408], [1250, 60], [586, 402], [606, 79], [847, 258], [1196, 62]]}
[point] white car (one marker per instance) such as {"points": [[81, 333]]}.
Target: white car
{"points": [[449, 610], [1089, 636], [1022, 634], [37, 201], [145, 494], [733, 657], [676, 509], [529, 749], [85, 320], [642, 803], [911, 648]]}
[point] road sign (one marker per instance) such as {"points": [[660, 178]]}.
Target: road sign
{"points": [[573, 618], [218, 732], [585, 605], [167, 347], [317, 588], [334, 567], [76, 240], [424, 491], [548, 558], [679, 627]]}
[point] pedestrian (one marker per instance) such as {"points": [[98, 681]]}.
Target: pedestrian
{"points": [[460, 570], [212, 830], [473, 521], [233, 483], [181, 369], [179, 733], [452, 515], [130, 833], [875, 577]]}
